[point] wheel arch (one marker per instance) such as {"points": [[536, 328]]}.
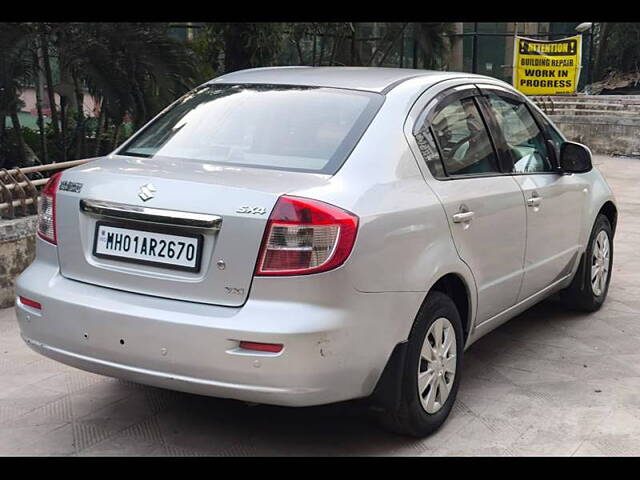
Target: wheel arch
{"points": [[610, 211], [455, 286]]}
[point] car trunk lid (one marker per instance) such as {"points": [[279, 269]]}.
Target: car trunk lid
{"points": [[237, 200]]}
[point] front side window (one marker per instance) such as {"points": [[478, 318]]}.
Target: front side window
{"points": [[525, 141], [462, 136], [269, 126]]}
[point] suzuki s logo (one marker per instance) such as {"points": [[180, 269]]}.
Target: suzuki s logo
{"points": [[146, 192]]}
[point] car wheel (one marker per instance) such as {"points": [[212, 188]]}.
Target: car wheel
{"points": [[431, 372], [590, 285]]}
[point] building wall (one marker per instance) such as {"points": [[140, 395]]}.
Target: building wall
{"points": [[91, 106]]}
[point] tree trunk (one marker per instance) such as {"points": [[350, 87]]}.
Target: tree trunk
{"points": [[80, 120], [140, 117], [101, 121], [299, 50], [26, 156], [39, 94], [3, 129], [601, 52], [63, 125], [236, 56], [456, 56], [55, 119], [336, 43], [18, 137], [116, 135], [323, 40]]}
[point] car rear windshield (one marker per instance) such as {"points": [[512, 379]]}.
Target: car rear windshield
{"points": [[311, 129]]}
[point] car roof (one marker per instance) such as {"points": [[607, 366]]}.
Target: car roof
{"points": [[372, 79]]}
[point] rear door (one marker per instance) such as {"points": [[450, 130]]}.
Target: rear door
{"points": [[555, 202], [484, 207]]}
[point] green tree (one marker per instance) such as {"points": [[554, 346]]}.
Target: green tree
{"points": [[617, 47], [248, 45], [433, 43], [134, 69], [16, 68]]}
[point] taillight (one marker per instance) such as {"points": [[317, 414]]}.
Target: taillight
{"points": [[261, 347], [30, 303], [305, 236], [47, 210]]}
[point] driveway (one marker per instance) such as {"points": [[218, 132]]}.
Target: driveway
{"points": [[549, 382]]}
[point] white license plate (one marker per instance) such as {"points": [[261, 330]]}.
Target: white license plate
{"points": [[181, 252]]}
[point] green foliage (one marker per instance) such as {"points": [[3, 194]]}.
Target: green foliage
{"points": [[620, 44], [432, 39], [136, 69], [207, 47], [14, 65]]}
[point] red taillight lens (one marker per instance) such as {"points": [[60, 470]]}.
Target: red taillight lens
{"points": [[261, 347], [306, 236], [47, 210], [30, 303]]}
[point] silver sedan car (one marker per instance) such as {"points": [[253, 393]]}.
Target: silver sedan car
{"points": [[302, 236]]}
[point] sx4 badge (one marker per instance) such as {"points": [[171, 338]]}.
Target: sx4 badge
{"points": [[252, 210]]}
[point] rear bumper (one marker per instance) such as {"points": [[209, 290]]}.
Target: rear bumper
{"points": [[335, 346]]}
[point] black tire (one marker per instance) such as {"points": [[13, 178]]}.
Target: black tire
{"points": [[408, 416], [580, 295]]}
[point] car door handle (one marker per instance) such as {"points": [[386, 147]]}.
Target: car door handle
{"points": [[534, 201], [461, 217]]}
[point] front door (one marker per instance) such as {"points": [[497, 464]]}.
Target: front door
{"points": [[554, 201]]}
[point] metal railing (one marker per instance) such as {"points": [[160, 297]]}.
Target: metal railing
{"points": [[19, 193]]}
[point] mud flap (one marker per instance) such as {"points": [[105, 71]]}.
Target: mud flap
{"points": [[387, 393]]}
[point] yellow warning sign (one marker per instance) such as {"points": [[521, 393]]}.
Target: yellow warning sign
{"points": [[543, 67]]}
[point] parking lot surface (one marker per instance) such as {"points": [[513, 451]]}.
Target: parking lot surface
{"points": [[549, 382]]}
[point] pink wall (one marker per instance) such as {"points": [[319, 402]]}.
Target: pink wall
{"points": [[91, 107]]}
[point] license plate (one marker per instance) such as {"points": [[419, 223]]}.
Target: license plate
{"points": [[149, 247]]}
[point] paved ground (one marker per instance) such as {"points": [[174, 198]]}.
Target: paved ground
{"points": [[547, 383]]}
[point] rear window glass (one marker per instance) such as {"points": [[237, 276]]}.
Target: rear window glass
{"points": [[269, 126]]}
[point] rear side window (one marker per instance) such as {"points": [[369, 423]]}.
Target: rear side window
{"points": [[429, 150], [462, 136], [553, 134], [309, 129], [525, 141]]}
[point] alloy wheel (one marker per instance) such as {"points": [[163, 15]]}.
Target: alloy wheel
{"points": [[437, 365], [600, 263]]}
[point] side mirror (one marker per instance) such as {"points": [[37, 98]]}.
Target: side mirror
{"points": [[575, 158]]}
